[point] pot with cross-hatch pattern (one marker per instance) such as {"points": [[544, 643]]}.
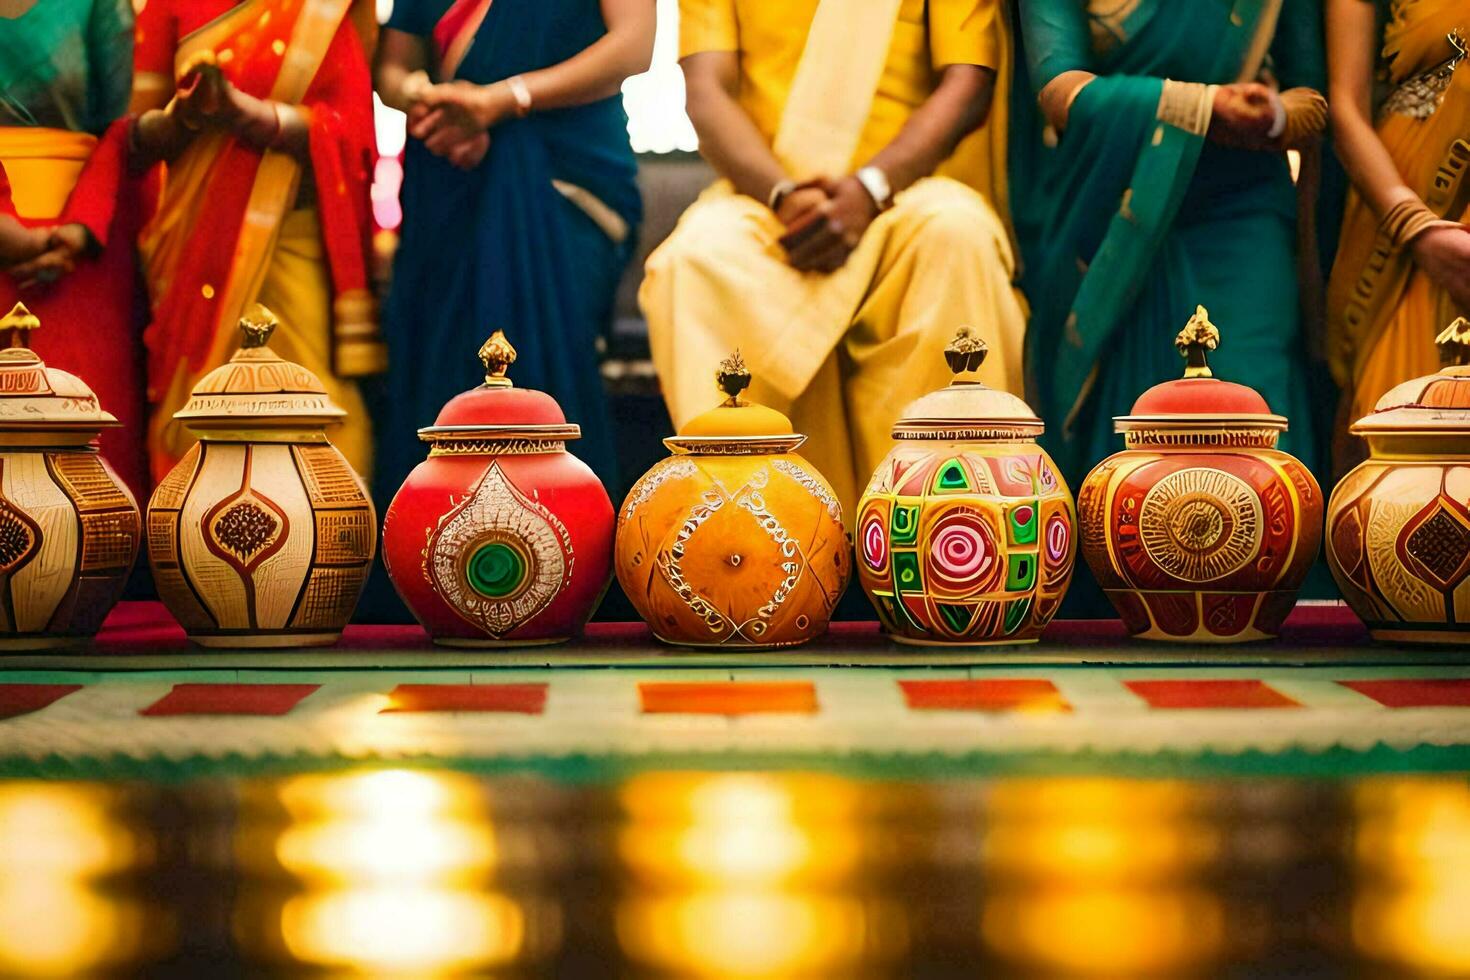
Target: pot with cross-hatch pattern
{"points": [[734, 541], [262, 535], [501, 537], [69, 528], [967, 532], [1201, 530]]}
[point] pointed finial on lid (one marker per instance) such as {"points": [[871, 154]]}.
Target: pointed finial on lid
{"points": [[257, 326], [497, 355], [1198, 337], [1454, 343], [966, 352], [733, 377], [18, 324]]}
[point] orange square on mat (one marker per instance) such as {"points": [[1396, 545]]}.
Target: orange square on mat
{"points": [[229, 699], [1415, 692], [1210, 694], [728, 698], [521, 699], [1030, 694]]}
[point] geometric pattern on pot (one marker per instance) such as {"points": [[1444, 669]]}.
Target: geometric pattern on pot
{"points": [[498, 558], [1200, 524], [1435, 544]]}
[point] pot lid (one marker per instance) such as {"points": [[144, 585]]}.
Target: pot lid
{"points": [[736, 425], [1199, 399], [257, 388], [967, 408], [37, 398], [498, 409], [1435, 403]]}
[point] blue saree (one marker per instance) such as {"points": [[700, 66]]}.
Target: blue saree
{"points": [[499, 247]]}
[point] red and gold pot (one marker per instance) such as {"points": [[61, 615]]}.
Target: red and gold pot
{"points": [[1201, 530], [502, 537]]}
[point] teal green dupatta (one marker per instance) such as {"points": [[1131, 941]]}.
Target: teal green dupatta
{"points": [[1113, 186]]}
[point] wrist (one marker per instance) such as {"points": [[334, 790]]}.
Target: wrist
{"points": [[876, 187], [779, 192]]}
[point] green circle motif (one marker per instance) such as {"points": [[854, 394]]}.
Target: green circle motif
{"points": [[496, 570]]}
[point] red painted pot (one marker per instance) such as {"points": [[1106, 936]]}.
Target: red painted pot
{"points": [[501, 537]]}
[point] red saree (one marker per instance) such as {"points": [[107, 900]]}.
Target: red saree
{"points": [[210, 248]]}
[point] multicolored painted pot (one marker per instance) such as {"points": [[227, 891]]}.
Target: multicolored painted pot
{"points": [[262, 535], [966, 533], [501, 537], [734, 541], [69, 528], [1398, 526], [1201, 530]]}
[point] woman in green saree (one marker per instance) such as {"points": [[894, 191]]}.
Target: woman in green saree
{"points": [[1164, 184]]}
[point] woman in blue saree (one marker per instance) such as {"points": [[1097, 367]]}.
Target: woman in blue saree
{"points": [[1165, 184], [520, 203]]}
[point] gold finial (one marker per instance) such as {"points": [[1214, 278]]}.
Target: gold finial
{"points": [[18, 324], [1197, 338], [965, 352], [733, 377], [497, 355], [1454, 343], [257, 326]]}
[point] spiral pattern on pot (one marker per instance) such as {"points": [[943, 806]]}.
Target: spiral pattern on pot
{"points": [[875, 543], [962, 556]]}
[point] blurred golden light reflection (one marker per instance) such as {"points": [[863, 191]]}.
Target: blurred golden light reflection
{"points": [[1412, 848], [739, 829], [392, 867], [1100, 877], [56, 840], [403, 929]]}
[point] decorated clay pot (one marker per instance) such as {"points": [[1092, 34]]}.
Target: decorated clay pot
{"points": [[1398, 526], [69, 528], [966, 533], [501, 537], [262, 535], [734, 541], [1201, 530]]}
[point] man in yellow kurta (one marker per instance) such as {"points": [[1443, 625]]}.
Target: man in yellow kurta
{"points": [[831, 251]]}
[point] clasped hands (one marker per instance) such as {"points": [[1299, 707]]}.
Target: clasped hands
{"points": [[454, 119], [825, 219], [40, 256]]}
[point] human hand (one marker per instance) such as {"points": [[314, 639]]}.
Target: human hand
{"points": [[204, 98], [465, 106], [1443, 253], [796, 205], [19, 243], [824, 240], [46, 268], [1243, 114]]}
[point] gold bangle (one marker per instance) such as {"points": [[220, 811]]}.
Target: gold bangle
{"points": [[1406, 220]]}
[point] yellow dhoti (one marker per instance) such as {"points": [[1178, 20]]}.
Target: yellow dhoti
{"points": [[840, 353], [298, 289]]}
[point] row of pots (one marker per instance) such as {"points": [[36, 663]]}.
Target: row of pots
{"points": [[1201, 530]]}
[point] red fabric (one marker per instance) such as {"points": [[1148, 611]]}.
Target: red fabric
{"points": [[455, 19], [7, 206], [229, 699], [522, 699], [91, 319], [728, 698], [984, 695], [1210, 694], [22, 699], [342, 136], [1416, 692]]}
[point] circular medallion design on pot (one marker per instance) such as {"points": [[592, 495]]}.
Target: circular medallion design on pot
{"points": [[1200, 524], [499, 558], [962, 556], [874, 542]]}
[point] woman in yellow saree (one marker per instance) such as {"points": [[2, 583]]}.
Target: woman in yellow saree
{"points": [[1403, 268], [263, 111]]}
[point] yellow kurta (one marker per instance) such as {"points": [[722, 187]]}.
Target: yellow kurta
{"points": [[841, 353]]}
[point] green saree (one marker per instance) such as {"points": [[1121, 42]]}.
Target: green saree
{"points": [[1135, 219], [67, 64]]}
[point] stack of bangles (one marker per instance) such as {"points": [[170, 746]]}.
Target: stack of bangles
{"points": [[1408, 219]]}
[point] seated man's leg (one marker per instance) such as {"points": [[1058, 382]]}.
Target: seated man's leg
{"points": [[947, 263]]}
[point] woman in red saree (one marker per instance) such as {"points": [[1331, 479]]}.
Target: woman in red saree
{"points": [[263, 112]]}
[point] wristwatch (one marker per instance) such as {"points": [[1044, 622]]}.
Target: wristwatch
{"points": [[875, 182], [779, 191]]}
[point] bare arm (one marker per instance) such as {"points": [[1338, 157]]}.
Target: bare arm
{"points": [[592, 74], [1351, 43], [958, 106], [728, 137], [400, 70]]}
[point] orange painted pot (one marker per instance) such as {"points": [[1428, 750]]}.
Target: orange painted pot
{"points": [[1201, 530], [734, 541]]}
